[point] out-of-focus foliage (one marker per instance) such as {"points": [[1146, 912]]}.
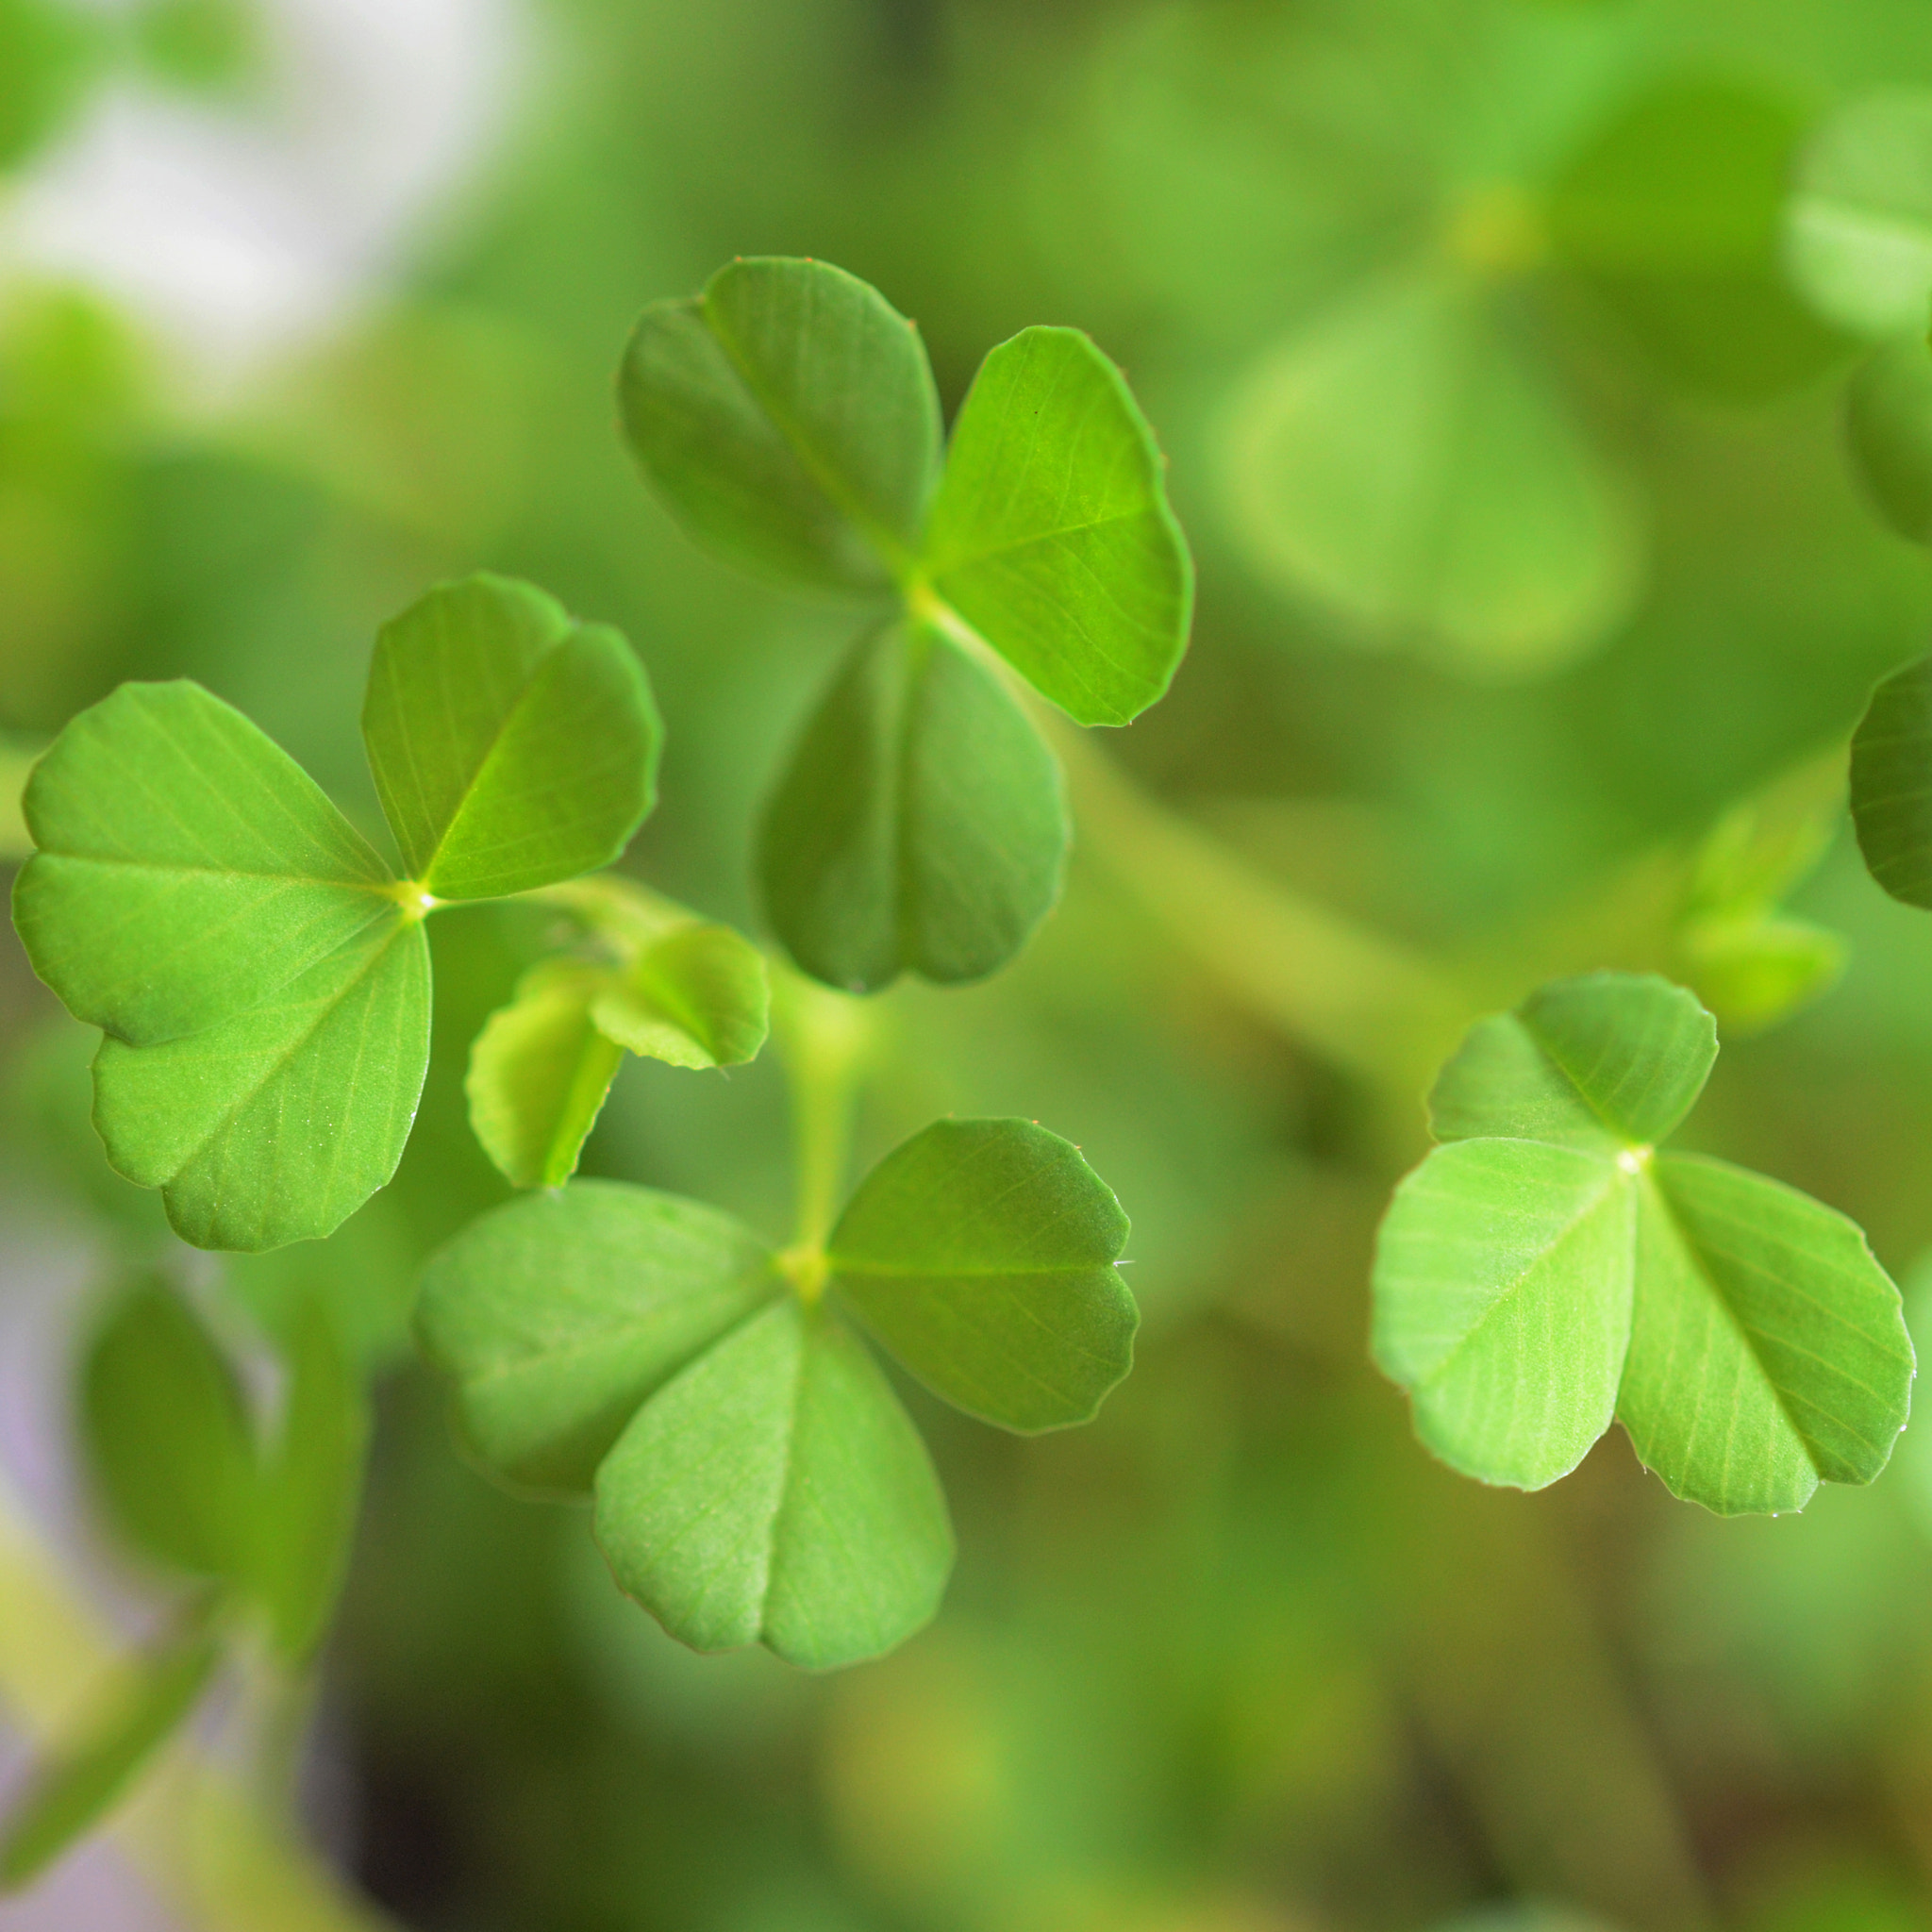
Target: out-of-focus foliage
{"points": [[1240, 1656]]}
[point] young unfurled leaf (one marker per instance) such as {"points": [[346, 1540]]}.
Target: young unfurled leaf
{"points": [[167, 1435], [1405, 461], [982, 1254], [275, 1125], [540, 1071], [187, 867], [511, 746], [1543, 1270], [1051, 534], [920, 827], [1892, 784], [788, 417], [1859, 234], [691, 994], [312, 1483], [556, 1315], [776, 1491], [764, 1483], [84, 1774], [1888, 428]]}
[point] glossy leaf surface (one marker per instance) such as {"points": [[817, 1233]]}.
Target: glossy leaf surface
{"points": [[921, 825], [81, 1778], [275, 1125], [511, 746], [1892, 784], [982, 1254], [1547, 1272], [187, 867], [776, 1491], [697, 997], [788, 418], [558, 1314], [1051, 535], [167, 1435]]}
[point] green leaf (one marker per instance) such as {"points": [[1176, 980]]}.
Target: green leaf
{"points": [[788, 417], [1404, 461], [776, 1490], [921, 825], [1604, 1060], [1549, 1272], [1888, 429], [982, 1254], [698, 998], [1858, 237], [558, 1314], [1892, 784], [311, 1486], [1755, 971], [277, 1125], [511, 746], [81, 1778], [1674, 216], [1051, 535], [1503, 1277], [540, 1071], [167, 1435], [1768, 1351], [187, 867]]}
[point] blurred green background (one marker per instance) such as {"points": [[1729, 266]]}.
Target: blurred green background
{"points": [[1501, 373]]}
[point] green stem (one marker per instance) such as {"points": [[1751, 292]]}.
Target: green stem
{"points": [[823, 1038]]}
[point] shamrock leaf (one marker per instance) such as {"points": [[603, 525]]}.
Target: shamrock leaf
{"points": [[261, 974], [755, 1478], [672, 989], [1544, 1271], [1892, 784], [922, 824]]}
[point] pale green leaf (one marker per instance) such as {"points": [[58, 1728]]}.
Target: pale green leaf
{"points": [[277, 1125], [1602, 1060], [558, 1314], [511, 746], [540, 1071], [982, 1254], [80, 1779], [1753, 973], [1859, 235], [311, 1485], [776, 1491], [697, 997], [1892, 784], [788, 417], [167, 1437], [1404, 461], [1888, 428], [1503, 1297], [1051, 535], [1768, 1351], [921, 825], [187, 867]]}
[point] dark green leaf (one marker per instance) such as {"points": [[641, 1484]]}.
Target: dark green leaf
{"points": [[982, 1254], [187, 867], [787, 416], [80, 1779], [921, 825], [277, 1125], [1892, 784], [311, 1486], [540, 1071], [1051, 535], [1604, 1060], [558, 1314], [776, 1491], [1889, 428], [167, 1435], [513, 747], [698, 997]]}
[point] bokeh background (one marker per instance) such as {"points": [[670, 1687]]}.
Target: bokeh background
{"points": [[1499, 348]]}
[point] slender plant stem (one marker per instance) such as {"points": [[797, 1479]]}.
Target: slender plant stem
{"points": [[823, 1039]]}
